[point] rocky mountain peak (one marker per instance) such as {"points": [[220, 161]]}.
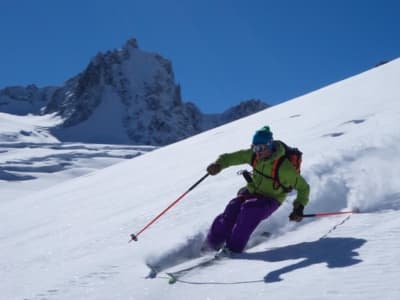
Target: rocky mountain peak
{"points": [[127, 96], [245, 108], [132, 43]]}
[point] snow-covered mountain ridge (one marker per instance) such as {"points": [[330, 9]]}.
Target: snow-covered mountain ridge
{"points": [[126, 96]]}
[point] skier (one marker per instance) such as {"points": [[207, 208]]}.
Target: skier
{"points": [[231, 230]]}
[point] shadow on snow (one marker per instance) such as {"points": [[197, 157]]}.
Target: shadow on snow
{"points": [[335, 252]]}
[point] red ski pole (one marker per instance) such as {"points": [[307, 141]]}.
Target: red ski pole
{"points": [[134, 236], [326, 214]]}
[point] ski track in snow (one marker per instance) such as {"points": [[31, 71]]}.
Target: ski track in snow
{"points": [[80, 284]]}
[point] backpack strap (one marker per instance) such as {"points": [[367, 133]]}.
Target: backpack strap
{"points": [[254, 160], [275, 174], [275, 170]]}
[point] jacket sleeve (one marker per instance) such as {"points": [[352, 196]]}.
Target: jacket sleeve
{"points": [[303, 190], [235, 158], [290, 177]]}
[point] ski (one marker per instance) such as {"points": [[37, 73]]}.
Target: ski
{"points": [[180, 268], [177, 271], [172, 278]]}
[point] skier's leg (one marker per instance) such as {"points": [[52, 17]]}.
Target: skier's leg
{"points": [[252, 212], [222, 225]]}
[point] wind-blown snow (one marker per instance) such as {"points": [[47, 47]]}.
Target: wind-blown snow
{"points": [[70, 241]]}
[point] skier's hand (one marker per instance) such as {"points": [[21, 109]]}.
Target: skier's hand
{"points": [[297, 212], [213, 169]]}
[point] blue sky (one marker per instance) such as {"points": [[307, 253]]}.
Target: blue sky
{"points": [[222, 51]]}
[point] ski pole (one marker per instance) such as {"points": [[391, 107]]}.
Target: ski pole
{"points": [[134, 236], [326, 214]]}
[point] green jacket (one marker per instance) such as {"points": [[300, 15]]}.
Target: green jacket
{"points": [[288, 176]]}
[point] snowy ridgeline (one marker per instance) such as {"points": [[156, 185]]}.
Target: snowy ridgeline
{"points": [[124, 96], [72, 242]]}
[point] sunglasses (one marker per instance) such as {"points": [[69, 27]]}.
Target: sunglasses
{"points": [[262, 147]]}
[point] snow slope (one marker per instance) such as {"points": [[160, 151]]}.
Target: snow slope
{"points": [[31, 158], [70, 241]]}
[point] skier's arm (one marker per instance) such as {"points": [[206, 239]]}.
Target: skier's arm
{"points": [[303, 190], [235, 158], [288, 176]]}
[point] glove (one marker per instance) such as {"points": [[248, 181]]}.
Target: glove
{"points": [[213, 169], [297, 212]]}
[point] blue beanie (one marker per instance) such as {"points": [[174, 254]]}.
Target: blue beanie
{"points": [[262, 136]]}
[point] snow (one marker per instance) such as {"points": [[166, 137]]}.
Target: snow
{"points": [[105, 132], [70, 240], [30, 156], [26, 129]]}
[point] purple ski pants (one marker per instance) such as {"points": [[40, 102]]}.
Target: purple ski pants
{"points": [[241, 216]]}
